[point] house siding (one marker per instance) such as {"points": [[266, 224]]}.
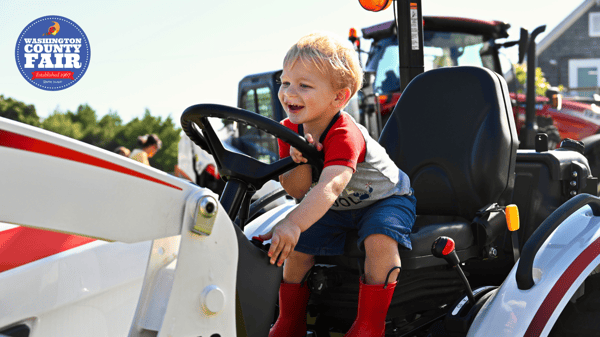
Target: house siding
{"points": [[574, 43]]}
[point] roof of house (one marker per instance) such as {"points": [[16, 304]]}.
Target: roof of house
{"points": [[564, 25]]}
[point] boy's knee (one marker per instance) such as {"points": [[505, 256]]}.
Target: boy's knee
{"points": [[380, 243], [300, 257], [297, 266]]}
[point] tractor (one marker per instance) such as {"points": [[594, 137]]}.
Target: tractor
{"points": [[168, 258], [453, 41]]}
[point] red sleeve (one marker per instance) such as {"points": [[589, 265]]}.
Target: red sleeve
{"points": [[284, 148], [344, 145]]}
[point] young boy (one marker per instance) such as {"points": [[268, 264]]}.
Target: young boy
{"points": [[360, 188]]}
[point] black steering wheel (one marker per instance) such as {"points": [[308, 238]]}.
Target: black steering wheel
{"points": [[233, 165]]}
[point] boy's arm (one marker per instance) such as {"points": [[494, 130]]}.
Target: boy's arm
{"points": [[317, 202], [297, 181]]}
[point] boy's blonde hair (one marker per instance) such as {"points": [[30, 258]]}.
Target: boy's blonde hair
{"points": [[333, 56]]}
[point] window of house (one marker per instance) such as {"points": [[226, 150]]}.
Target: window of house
{"points": [[583, 77], [594, 24]]}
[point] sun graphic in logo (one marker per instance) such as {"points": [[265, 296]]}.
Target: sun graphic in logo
{"points": [[53, 29]]}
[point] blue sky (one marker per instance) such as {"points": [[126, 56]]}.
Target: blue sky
{"points": [[168, 55]]}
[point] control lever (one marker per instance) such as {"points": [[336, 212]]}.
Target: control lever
{"points": [[259, 243], [443, 247]]}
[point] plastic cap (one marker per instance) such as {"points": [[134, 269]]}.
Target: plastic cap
{"points": [[449, 248], [512, 217], [442, 246]]}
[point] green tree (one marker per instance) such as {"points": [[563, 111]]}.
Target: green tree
{"points": [[80, 125], [166, 130], [108, 127], [87, 118], [64, 125], [100, 133], [18, 111], [541, 84], [108, 133]]}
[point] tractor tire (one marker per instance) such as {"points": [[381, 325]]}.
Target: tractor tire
{"points": [[581, 318]]}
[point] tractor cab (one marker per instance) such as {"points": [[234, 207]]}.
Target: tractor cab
{"points": [[447, 41], [454, 41], [258, 93]]}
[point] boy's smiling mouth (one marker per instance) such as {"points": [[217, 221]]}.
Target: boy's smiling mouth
{"points": [[294, 108]]}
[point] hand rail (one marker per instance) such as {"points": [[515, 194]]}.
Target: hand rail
{"points": [[524, 275]]}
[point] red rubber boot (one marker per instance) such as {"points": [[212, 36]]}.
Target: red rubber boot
{"points": [[373, 304], [293, 299]]}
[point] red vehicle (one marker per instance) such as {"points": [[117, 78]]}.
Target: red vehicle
{"points": [[451, 41]]}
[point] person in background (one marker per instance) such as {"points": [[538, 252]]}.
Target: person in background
{"points": [[122, 150], [149, 145], [197, 165]]}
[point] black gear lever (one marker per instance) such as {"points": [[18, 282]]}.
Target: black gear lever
{"points": [[443, 247]]}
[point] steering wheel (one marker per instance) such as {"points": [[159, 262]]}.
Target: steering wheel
{"points": [[240, 166]]}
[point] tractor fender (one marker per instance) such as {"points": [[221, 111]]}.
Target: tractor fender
{"points": [[264, 223], [568, 250], [65, 185]]}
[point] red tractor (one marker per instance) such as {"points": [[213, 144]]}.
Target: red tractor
{"points": [[451, 41]]}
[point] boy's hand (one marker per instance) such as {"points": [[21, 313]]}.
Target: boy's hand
{"points": [[297, 155], [284, 237]]}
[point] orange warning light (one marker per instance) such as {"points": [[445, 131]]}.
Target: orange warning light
{"points": [[353, 37], [512, 217], [375, 5]]}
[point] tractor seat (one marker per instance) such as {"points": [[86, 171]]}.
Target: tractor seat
{"points": [[453, 133], [425, 231]]}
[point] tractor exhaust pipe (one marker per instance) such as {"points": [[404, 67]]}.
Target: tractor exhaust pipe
{"points": [[531, 128]]}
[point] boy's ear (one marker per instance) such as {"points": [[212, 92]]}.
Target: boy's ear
{"points": [[342, 97]]}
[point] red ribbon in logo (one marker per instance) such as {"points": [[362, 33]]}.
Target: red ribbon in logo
{"points": [[52, 74]]}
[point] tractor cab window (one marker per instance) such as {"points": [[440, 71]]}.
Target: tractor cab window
{"points": [[387, 75], [441, 49], [252, 141], [509, 73]]}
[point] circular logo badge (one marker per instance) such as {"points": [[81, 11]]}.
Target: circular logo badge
{"points": [[52, 53]]}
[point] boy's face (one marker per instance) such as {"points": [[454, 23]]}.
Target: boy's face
{"points": [[307, 94]]}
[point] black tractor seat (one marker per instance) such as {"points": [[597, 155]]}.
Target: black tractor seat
{"points": [[454, 134], [424, 233]]}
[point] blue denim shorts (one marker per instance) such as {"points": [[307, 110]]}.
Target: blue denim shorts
{"points": [[393, 216]]}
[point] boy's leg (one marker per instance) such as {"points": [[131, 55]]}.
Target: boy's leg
{"points": [[375, 293], [383, 227], [293, 297], [381, 256], [296, 266]]}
